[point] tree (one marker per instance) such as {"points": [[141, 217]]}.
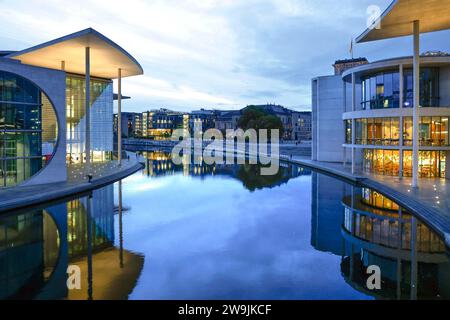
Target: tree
{"points": [[254, 117]]}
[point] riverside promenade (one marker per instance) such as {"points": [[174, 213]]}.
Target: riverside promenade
{"points": [[77, 183]]}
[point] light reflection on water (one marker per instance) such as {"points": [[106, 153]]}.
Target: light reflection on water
{"points": [[221, 232]]}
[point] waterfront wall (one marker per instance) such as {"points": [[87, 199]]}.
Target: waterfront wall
{"points": [[297, 150]]}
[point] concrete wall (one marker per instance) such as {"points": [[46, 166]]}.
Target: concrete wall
{"points": [[314, 119], [444, 86], [53, 83], [328, 126]]}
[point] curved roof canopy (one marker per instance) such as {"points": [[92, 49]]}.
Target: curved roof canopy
{"points": [[106, 57], [396, 21]]}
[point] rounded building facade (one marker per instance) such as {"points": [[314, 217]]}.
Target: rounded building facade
{"points": [[28, 129], [378, 117]]}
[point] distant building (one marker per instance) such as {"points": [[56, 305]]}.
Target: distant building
{"points": [[340, 66], [137, 130], [207, 118], [160, 124], [131, 124], [301, 126], [227, 120]]}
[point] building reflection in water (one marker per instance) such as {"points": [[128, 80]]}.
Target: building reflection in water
{"points": [[159, 164], [370, 230], [36, 247], [359, 225]]}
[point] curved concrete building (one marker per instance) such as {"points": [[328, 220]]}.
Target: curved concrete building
{"points": [[45, 126], [396, 111]]}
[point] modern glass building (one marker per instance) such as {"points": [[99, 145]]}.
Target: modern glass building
{"points": [[56, 106], [395, 112], [378, 125]]}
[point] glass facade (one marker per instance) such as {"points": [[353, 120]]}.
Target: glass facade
{"points": [[387, 162], [101, 119], [382, 162], [431, 164], [382, 90], [378, 131], [433, 131], [348, 131], [28, 129]]}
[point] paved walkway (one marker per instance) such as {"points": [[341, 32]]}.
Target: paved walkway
{"points": [[77, 183], [430, 202]]}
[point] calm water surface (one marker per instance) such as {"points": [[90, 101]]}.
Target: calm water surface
{"points": [[221, 232]]}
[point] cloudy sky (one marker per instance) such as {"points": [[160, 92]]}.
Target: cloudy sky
{"points": [[220, 54]]}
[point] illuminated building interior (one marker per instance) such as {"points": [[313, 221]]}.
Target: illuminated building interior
{"points": [[101, 119], [379, 109], [432, 164]]}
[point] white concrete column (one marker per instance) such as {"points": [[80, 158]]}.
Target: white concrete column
{"points": [[119, 117], [415, 182], [401, 102], [344, 95], [344, 88], [353, 146], [88, 107], [316, 124], [353, 92], [353, 122], [401, 86], [400, 149]]}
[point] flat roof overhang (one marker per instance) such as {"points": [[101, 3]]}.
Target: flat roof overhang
{"points": [[116, 97], [106, 57], [396, 21]]}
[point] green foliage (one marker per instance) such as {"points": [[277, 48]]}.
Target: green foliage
{"points": [[256, 118], [252, 179]]}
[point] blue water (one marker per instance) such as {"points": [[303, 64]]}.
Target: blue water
{"points": [[215, 233]]}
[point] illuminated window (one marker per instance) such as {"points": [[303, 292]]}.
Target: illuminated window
{"points": [[431, 164]]}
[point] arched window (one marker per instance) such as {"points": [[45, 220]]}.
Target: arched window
{"points": [[28, 129]]}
